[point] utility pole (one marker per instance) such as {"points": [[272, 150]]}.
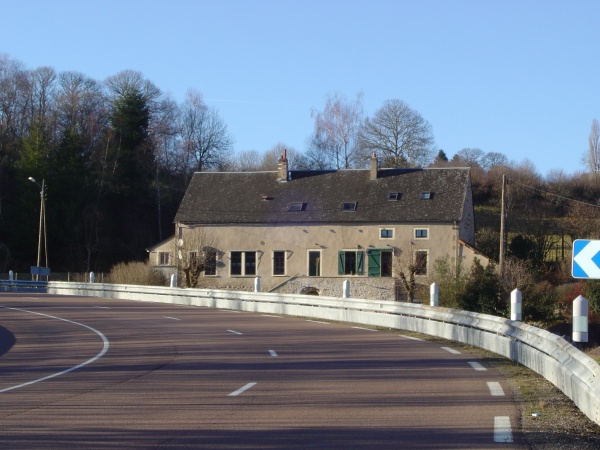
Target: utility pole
{"points": [[502, 227], [42, 227]]}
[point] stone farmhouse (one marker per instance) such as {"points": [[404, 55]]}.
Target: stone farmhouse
{"points": [[300, 230]]}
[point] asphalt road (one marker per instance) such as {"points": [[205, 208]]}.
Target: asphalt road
{"points": [[80, 372]]}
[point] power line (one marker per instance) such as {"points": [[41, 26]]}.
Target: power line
{"points": [[553, 194]]}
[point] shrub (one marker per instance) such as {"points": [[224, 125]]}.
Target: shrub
{"points": [[540, 303], [591, 291], [136, 272]]}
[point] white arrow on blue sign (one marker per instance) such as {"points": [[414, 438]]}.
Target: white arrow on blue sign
{"points": [[586, 259]]}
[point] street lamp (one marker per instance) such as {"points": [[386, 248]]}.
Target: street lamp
{"points": [[42, 222]]}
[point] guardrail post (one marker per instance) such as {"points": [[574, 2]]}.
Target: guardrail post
{"points": [[580, 319], [346, 289], [92, 277], [257, 284], [516, 305], [434, 293], [173, 281], [11, 275]]}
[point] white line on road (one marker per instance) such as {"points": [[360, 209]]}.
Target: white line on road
{"points": [[502, 430], [234, 332], [362, 328], [172, 318], [495, 389], [242, 389], [451, 350], [318, 321], [271, 315], [477, 366], [102, 307], [411, 338], [273, 353], [78, 366]]}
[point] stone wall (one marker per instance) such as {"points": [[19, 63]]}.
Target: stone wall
{"points": [[367, 288]]}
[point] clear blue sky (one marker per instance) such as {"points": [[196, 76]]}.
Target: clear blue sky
{"points": [[519, 77]]}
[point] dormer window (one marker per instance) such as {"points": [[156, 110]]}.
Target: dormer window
{"points": [[296, 206], [349, 206], [426, 195], [394, 196]]}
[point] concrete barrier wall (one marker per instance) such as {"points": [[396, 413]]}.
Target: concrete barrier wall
{"points": [[573, 372]]}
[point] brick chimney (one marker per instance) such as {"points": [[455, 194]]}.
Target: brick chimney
{"points": [[373, 166], [282, 167]]}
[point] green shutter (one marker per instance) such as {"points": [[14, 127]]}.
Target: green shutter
{"points": [[341, 256], [360, 256], [375, 263]]}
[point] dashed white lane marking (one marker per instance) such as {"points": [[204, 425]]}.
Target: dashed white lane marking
{"points": [[172, 318], [451, 350], [412, 338], [477, 366], [273, 353], [495, 389], [78, 366], [502, 430], [271, 315], [241, 390], [235, 332], [318, 321], [362, 328], [102, 307]]}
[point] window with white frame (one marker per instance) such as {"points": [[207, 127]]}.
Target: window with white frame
{"points": [[421, 233], [242, 263], [386, 233], [210, 261], [163, 258], [350, 262], [314, 263], [279, 262], [380, 262], [421, 257]]}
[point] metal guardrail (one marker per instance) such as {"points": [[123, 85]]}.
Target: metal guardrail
{"points": [[573, 372]]}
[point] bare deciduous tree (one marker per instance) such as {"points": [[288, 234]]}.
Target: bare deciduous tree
{"points": [[407, 265], [400, 134], [204, 135], [197, 256], [472, 157], [336, 132], [593, 156]]}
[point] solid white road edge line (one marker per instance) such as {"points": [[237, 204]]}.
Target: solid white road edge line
{"points": [[451, 350], [477, 366], [234, 332], [79, 366], [502, 430], [242, 389], [495, 389], [273, 353]]}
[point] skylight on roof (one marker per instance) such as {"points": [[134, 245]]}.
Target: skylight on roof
{"points": [[349, 206], [394, 196], [296, 206]]}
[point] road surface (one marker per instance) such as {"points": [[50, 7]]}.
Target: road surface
{"points": [[81, 372]]}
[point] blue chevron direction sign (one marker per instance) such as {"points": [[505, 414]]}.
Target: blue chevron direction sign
{"points": [[586, 259]]}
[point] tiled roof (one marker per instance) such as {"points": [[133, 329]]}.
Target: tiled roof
{"points": [[257, 197]]}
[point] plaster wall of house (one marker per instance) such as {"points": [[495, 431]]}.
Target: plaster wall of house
{"points": [[328, 240]]}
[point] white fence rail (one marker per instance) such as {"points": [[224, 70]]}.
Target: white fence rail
{"points": [[573, 372]]}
